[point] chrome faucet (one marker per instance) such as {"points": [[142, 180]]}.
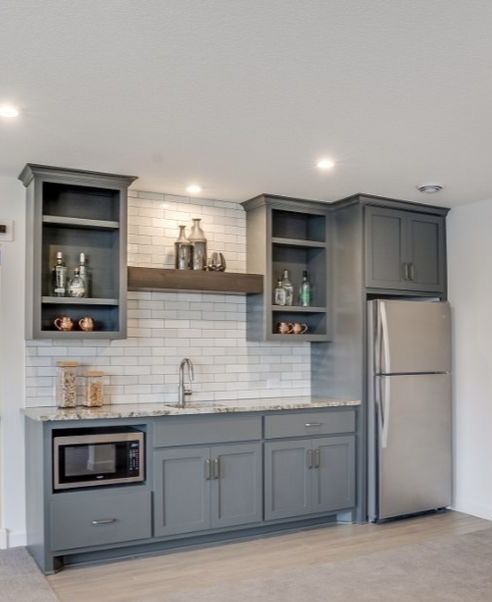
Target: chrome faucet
{"points": [[184, 391]]}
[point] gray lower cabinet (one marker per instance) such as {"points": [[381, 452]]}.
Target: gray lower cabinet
{"points": [[404, 250], [237, 487], [181, 490], [93, 518], [198, 488], [333, 473], [309, 476]]}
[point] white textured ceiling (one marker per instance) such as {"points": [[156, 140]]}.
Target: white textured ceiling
{"points": [[243, 96]]}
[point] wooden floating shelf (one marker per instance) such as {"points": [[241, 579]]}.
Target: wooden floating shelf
{"points": [[157, 279], [78, 301], [75, 222], [298, 309], [295, 242]]}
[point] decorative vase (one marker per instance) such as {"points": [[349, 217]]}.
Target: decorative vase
{"points": [[183, 251], [199, 242]]}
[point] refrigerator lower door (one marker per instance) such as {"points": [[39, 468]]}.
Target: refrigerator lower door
{"points": [[413, 444]]}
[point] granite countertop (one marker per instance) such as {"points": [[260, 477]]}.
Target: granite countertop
{"points": [[141, 410]]}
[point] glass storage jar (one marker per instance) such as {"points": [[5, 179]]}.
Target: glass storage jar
{"points": [[93, 389], [66, 384]]}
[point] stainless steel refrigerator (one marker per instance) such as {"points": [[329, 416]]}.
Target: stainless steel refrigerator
{"points": [[409, 407]]}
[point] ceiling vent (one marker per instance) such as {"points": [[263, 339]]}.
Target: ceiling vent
{"points": [[430, 188]]}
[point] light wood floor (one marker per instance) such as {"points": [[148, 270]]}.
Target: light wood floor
{"points": [[153, 577]]}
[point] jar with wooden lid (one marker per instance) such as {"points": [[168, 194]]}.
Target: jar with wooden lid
{"points": [[93, 389], [66, 384]]}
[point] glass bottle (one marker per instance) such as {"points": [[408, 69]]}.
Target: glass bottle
{"points": [[76, 288], [305, 291], [182, 251], [84, 273], [66, 384], [199, 242], [289, 288], [280, 296], [59, 276]]}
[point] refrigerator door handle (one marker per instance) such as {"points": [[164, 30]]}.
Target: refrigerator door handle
{"points": [[384, 344], [384, 410]]}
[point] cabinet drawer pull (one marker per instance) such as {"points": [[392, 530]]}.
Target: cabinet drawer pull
{"points": [[208, 469], [309, 424], [103, 521], [309, 458], [216, 468]]}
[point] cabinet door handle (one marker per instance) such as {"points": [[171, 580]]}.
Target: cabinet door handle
{"points": [[208, 469], [309, 458], [310, 424], [216, 468], [405, 275], [317, 458], [411, 273], [103, 521]]}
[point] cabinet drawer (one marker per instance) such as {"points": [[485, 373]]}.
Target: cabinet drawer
{"points": [[189, 430], [93, 518], [309, 423]]}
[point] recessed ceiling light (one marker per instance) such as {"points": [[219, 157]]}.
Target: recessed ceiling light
{"points": [[430, 188], [9, 111], [193, 189], [325, 164]]}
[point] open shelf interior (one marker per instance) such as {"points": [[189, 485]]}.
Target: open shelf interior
{"points": [[298, 226], [106, 318], [297, 259], [84, 202], [80, 219], [316, 322], [101, 249]]}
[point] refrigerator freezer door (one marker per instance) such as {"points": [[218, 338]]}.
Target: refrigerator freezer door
{"points": [[412, 337], [413, 446]]}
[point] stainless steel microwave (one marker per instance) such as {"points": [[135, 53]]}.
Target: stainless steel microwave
{"points": [[98, 458]]}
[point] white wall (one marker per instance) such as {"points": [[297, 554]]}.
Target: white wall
{"points": [[470, 293], [12, 523]]}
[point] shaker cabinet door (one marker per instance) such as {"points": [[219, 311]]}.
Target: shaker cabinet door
{"points": [[426, 252], [384, 247], [237, 484], [288, 489], [334, 473], [181, 490]]}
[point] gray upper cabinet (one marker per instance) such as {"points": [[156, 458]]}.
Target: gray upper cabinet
{"points": [[76, 211], [404, 250], [285, 233]]}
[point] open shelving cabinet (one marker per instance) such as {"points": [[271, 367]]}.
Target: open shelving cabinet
{"points": [[285, 233], [76, 211]]}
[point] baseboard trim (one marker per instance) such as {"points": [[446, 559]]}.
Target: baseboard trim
{"points": [[12, 539], [4, 539], [469, 507]]}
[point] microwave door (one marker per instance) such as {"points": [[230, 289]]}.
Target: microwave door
{"points": [[101, 458]]}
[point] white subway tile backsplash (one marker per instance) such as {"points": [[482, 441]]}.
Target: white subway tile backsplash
{"points": [[165, 327]]}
